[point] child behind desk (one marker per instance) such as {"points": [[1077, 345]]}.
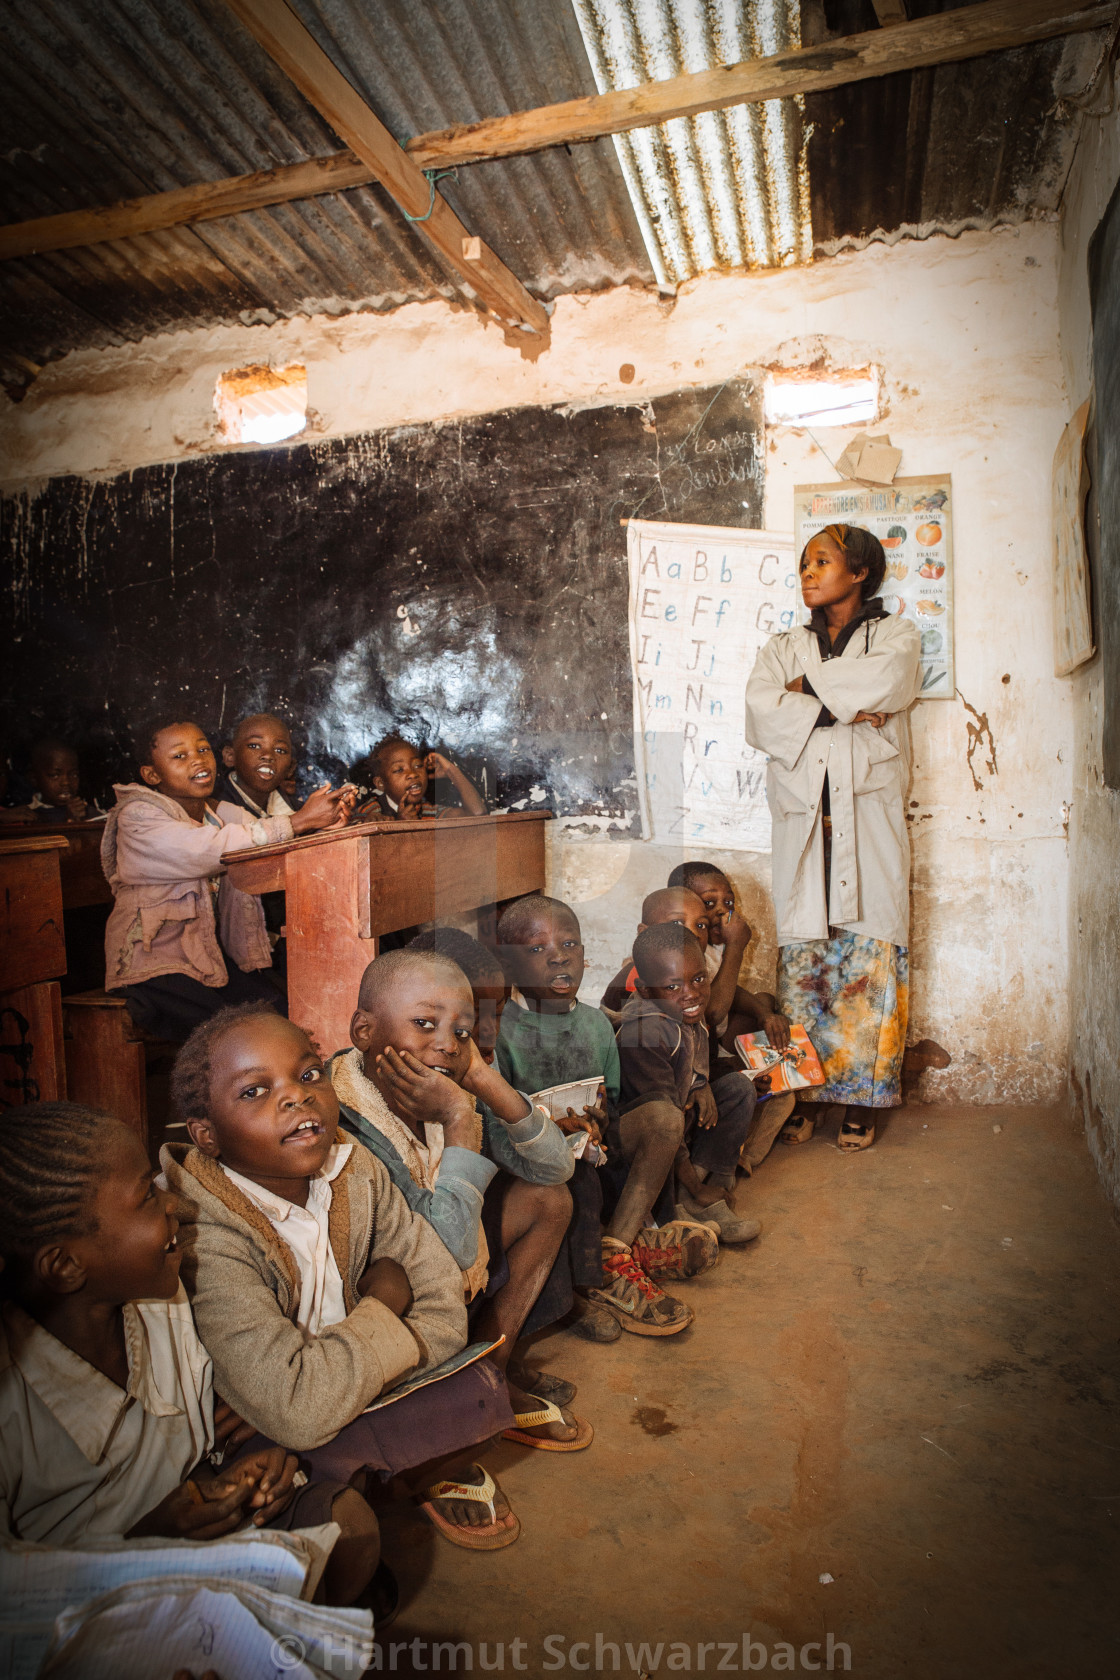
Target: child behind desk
{"points": [[401, 771], [316, 1289], [57, 797], [181, 941], [107, 1408]]}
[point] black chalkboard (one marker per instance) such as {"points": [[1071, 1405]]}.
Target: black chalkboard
{"points": [[1103, 513], [464, 580]]}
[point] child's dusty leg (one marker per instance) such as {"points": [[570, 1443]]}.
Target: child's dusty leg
{"points": [[357, 1551], [651, 1136], [534, 1220], [690, 1181]]}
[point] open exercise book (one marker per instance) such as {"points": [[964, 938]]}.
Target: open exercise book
{"points": [[469, 1355], [140, 1609]]}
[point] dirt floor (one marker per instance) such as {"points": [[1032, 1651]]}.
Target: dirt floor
{"points": [[892, 1424]]}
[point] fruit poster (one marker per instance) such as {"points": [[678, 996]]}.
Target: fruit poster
{"points": [[913, 519]]}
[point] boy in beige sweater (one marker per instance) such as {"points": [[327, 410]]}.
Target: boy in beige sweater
{"points": [[316, 1290]]}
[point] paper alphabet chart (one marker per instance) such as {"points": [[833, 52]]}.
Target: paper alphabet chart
{"points": [[703, 600]]}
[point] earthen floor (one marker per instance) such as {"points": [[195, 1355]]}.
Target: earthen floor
{"points": [[893, 1422]]}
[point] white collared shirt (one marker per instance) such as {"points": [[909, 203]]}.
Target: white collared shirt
{"points": [[81, 1458], [306, 1231]]}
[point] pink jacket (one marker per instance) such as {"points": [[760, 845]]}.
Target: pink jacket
{"points": [[159, 863]]}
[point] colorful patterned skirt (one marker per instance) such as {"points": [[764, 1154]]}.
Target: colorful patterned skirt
{"points": [[851, 994]]}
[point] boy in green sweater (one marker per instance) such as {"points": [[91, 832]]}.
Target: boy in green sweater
{"points": [[546, 1038]]}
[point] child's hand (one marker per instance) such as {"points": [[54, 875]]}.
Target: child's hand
{"points": [[386, 1281], [776, 1028], [437, 765], [736, 931], [418, 1093], [77, 808], [571, 1122], [797, 686], [706, 1111], [266, 1475], [230, 1430], [347, 799], [875, 719], [188, 1514], [320, 811]]}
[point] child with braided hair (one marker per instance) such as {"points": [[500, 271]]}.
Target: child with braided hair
{"points": [[107, 1407]]}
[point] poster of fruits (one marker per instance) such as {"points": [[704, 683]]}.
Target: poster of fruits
{"points": [[913, 519]]}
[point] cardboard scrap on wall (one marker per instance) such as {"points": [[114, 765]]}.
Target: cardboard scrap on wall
{"points": [[870, 459], [1073, 617], [912, 518]]}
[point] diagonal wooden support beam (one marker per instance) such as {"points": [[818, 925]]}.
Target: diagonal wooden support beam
{"points": [[944, 38], [283, 36]]}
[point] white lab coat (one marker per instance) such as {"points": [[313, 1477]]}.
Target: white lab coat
{"points": [[868, 771]]}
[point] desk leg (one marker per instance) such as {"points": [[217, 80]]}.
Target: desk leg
{"points": [[327, 954], [32, 1057]]}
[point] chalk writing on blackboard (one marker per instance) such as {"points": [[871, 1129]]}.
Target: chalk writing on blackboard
{"points": [[703, 600]]}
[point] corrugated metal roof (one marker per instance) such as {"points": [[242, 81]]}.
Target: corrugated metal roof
{"points": [[725, 189], [107, 99]]}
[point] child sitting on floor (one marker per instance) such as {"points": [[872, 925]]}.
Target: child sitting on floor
{"points": [[671, 1119], [316, 1289], [754, 1011], [401, 771], [107, 1409], [181, 942], [732, 1009], [494, 1189], [547, 1037]]}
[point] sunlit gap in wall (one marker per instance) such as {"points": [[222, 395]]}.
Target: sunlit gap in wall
{"points": [[847, 398], [261, 404]]}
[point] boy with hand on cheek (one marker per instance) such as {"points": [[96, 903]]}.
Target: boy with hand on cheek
{"points": [[401, 775], [107, 1410], [494, 1189], [181, 942], [732, 1009], [315, 1287], [671, 1118]]}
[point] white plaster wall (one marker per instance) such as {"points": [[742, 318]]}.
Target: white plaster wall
{"points": [[966, 332], [1095, 819]]}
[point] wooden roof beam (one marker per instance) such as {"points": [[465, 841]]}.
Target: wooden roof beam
{"points": [[944, 38], [284, 37]]}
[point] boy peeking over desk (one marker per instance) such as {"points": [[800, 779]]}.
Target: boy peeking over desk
{"points": [[401, 773]]}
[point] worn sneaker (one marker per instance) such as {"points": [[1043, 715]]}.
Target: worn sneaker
{"points": [[635, 1301], [681, 1249]]}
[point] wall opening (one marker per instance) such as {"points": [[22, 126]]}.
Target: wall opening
{"points": [[261, 404], [809, 397]]}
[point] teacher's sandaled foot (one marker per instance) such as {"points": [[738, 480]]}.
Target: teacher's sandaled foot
{"points": [[855, 1133], [472, 1511]]}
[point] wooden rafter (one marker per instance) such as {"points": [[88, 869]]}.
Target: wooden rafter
{"points": [[944, 38], [283, 36]]}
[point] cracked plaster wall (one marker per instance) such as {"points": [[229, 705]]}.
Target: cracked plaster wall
{"points": [[1095, 818], [966, 333]]}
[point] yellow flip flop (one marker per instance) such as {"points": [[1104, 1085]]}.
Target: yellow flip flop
{"points": [[486, 1537], [547, 1414]]}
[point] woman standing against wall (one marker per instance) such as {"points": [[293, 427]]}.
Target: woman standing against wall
{"points": [[827, 702]]}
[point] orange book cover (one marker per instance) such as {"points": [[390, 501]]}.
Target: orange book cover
{"points": [[791, 1069]]}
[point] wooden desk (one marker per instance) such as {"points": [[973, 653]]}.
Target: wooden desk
{"points": [[83, 881], [348, 887], [32, 956]]}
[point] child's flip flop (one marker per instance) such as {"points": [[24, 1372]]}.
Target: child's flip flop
{"points": [[585, 1434], [486, 1537]]}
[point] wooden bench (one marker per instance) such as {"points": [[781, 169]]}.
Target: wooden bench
{"points": [[105, 1061]]}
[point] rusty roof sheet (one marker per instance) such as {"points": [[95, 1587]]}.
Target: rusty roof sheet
{"points": [[107, 99]]}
